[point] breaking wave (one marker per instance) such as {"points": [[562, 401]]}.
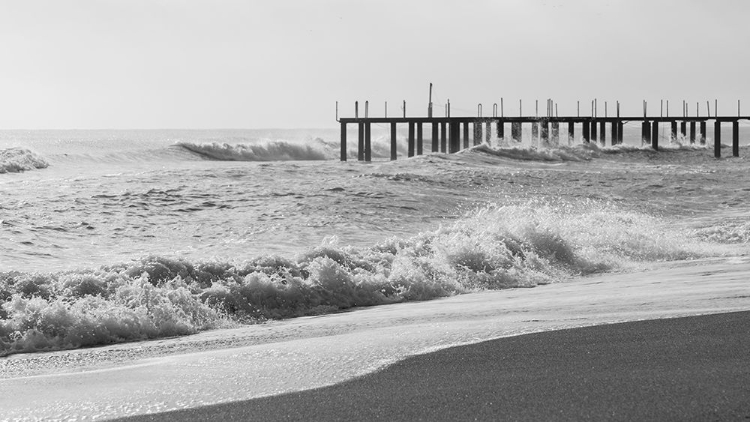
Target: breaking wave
{"points": [[13, 160], [262, 151], [493, 248]]}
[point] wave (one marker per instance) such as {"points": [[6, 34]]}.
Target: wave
{"points": [[263, 151], [493, 248], [14, 160]]}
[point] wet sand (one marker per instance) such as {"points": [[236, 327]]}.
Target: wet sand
{"points": [[692, 368]]}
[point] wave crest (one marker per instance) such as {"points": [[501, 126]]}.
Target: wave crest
{"points": [[14, 160], [263, 151]]}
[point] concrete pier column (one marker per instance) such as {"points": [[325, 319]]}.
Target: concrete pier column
{"points": [[655, 135], [736, 138], [703, 133], [613, 134], [477, 132], [394, 151], [645, 132], [466, 134], [555, 133], [368, 142], [411, 140], [443, 135], [515, 131], [673, 130], [455, 137], [500, 129], [361, 142], [603, 133], [544, 133], [683, 129], [343, 141], [586, 133], [717, 139], [534, 132], [435, 138], [594, 131], [420, 138], [692, 132], [571, 132], [488, 131], [620, 131]]}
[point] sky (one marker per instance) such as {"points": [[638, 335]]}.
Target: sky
{"points": [[203, 64]]}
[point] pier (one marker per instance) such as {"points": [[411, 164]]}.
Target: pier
{"points": [[451, 134]]}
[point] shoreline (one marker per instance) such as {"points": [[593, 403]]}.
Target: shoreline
{"points": [[312, 352]]}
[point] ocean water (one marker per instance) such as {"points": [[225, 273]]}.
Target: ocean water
{"points": [[112, 236]]}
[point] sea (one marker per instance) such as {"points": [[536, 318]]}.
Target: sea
{"points": [[111, 236]]}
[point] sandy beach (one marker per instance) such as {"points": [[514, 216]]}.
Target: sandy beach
{"points": [[301, 354]]}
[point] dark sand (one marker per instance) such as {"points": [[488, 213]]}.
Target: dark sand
{"points": [[694, 368]]}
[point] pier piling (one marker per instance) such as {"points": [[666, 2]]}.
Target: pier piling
{"points": [[466, 134], [394, 145], [420, 139], [655, 135], [361, 142], [368, 143], [717, 138], [515, 131], [703, 132], [735, 138], [343, 142], [692, 132], [411, 140], [443, 135], [500, 129], [435, 139]]}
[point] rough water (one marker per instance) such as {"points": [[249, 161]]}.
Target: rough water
{"points": [[114, 236]]}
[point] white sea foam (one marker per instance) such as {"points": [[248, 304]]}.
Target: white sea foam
{"points": [[13, 160]]}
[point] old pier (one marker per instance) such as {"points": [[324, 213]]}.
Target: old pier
{"points": [[451, 134]]}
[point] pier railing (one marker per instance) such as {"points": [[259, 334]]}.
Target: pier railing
{"points": [[451, 134]]}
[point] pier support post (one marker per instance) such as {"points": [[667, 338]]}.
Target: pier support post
{"points": [[411, 139], [343, 141], [683, 129], [420, 138], [368, 143], [555, 133], [586, 131], [613, 134], [717, 139], [515, 131], [673, 130], [655, 135], [544, 132], [394, 152], [443, 135], [645, 132], [534, 132], [361, 142], [620, 131], [477, 132], [571, 132], [466, 134], [692, 132], [603, 133], [454, 137], [703, 132], [488, 131], [435, 138], [594, 131], [736, 138], [500, 130]]}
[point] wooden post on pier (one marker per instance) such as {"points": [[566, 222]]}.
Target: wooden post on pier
{"points": [[620, 132], [717, 138], [736, 138], [411, 139], [361, 143], [603, 131], [692, 132], [368, 142], [703, 132], [435, 138], [683, 129], [343, 141], [515, 131], [466, 134], [571, 132], [586, 133], [420, 139], [645, 132], [500, 130], [673, 126], [614, 133], [443, 135], [394, 152], [655, 135]]}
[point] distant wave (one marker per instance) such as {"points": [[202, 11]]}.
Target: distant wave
{"points": [[14, 160], [262, 151]]}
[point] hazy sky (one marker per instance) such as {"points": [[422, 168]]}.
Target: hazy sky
{"points": [[275, 63]]}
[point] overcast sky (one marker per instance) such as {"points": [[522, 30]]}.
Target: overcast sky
{"points": [[274, 63]]}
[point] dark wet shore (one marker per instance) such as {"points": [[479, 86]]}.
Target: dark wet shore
{"points": [[694, 368]]}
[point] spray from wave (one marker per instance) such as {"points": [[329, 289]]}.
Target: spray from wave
{"points": [[14, 160], [494, 248]]}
